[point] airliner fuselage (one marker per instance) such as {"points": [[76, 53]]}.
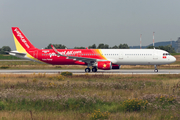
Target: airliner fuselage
{"points": [[116, 56]]}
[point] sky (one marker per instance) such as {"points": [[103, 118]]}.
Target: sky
{"points": [[86, 22]]}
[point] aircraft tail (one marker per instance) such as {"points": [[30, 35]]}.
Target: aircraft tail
{"points": [[22, 44]]}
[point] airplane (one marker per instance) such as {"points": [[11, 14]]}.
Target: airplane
{"points": [[105, 59]]}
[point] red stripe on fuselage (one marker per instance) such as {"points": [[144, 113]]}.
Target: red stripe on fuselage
{"points": [[49, 56]]}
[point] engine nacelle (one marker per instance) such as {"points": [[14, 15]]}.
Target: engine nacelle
{"points": [[116, 66], [104, 65]]}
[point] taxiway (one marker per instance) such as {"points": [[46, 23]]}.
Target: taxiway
{"points": [[120, 71]]}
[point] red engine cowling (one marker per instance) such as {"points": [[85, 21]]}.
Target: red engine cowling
{"points": [[116, 66], [104, 65]]}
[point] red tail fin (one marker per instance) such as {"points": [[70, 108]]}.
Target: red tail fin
{"points": [[21, 42]]}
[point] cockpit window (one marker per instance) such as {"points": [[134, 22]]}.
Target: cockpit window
{"points": [[165, 54]]}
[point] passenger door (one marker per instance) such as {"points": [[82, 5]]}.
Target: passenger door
{"points": [[121, 55], [155, 55]]}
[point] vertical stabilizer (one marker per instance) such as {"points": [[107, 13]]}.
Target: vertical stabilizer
{"points": [[21, 42]]}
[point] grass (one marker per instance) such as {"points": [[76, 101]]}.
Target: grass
{"points": [[79, 97], [34, 65], [175, 54], [8, 57]]}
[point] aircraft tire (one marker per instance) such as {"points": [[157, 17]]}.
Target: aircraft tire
{"points": [[155, 70], [94, 69], [87, 70]]}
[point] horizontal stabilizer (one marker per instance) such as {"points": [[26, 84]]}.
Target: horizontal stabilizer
{"points": [[16, 53]]}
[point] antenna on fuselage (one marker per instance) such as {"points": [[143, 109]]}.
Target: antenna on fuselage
{"points": [[171, 45], [140, 41], [153, 40]]}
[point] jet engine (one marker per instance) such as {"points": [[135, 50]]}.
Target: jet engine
{"points": [[104, 65]]}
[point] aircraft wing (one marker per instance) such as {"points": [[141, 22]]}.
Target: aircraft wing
{"points": [[81, 59]]}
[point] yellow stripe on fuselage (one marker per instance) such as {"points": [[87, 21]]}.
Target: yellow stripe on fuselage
{"points": [[100, 52]]}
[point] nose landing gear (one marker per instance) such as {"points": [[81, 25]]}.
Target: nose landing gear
{"points": [[155, 70]]}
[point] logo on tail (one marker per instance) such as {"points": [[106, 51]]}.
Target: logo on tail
{"points": [[21, 37], [23, 45]]}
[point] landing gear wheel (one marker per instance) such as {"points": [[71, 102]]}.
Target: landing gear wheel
{"points": [[94, 69], [156, 70], [87, 70]]}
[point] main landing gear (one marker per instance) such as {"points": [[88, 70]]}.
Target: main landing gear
{"points": [[94, 69], [155, 68], [87, 70]]}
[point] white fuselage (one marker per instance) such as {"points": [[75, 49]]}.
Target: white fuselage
{"points": [[138, 56]]}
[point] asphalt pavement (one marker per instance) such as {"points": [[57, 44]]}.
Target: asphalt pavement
{"points": [[120, 71]]}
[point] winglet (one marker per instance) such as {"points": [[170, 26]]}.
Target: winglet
{"points": [[55, 50]]}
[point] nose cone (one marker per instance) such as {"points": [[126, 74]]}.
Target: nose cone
{"points": [[173, 59]]}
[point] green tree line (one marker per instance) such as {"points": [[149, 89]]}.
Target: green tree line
{"points": [[100, 46], [57, 46], [5, 50], [167, 48]]}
